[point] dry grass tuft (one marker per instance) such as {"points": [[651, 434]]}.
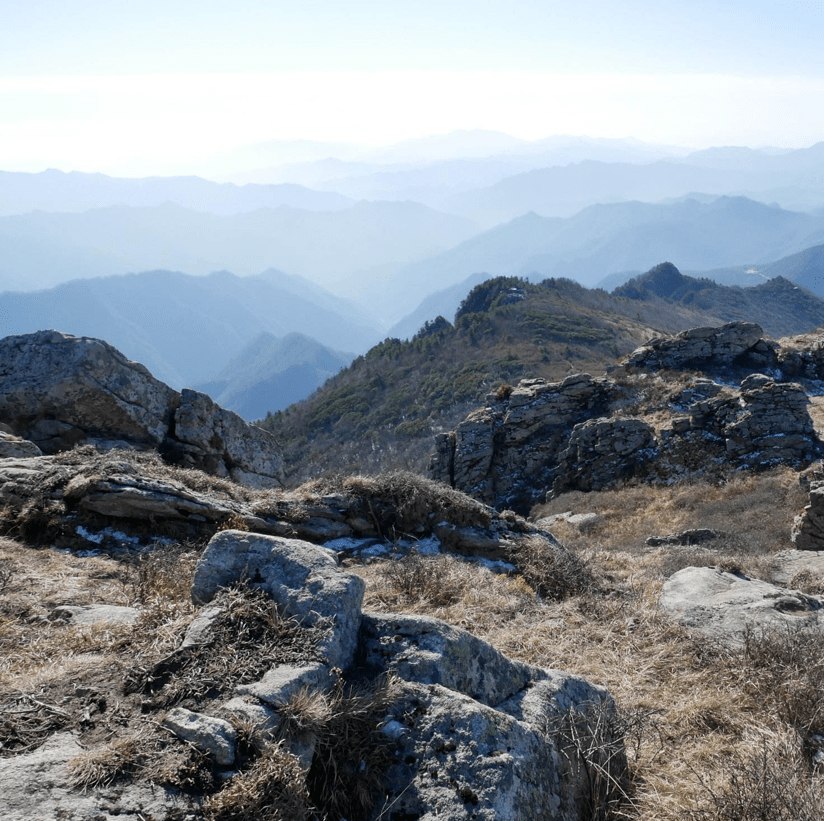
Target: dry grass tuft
{"points": [[549, 568], [273, 787], [398, 502], [346, 779], [768, 780], [103, 766], [248, 638]]}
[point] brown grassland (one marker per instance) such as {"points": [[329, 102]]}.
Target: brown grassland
{"points": [[712, 734]]}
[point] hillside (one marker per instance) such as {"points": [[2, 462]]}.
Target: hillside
{"points": [[187, 328], [382, 410], [271, 373], [781, 307]]}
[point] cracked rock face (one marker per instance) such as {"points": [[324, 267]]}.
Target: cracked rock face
{"points": [[591, 434], [59, 390]]}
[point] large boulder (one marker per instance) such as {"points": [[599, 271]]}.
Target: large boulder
{"points": [[60, 390], [716, 348], [808, 527], [301, 577], [725, 605]]}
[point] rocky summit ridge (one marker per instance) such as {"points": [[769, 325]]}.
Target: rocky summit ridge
{"points": [[705, 400], [268, 686], [59, 391]]}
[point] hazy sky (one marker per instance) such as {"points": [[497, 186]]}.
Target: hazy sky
{"points": [[138, 86]]}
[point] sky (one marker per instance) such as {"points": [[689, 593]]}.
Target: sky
{"points": [[159, 87]]}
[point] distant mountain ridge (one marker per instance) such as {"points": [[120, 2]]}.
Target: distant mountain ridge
{"points": [[270, 374], [603, 239], [781, 307], [39, 250], [184, 328], [57, 191]]}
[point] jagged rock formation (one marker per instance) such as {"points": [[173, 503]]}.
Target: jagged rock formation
{"points": [[808, 528], [699, 347], [650, 421], [59, 390], [471, 728]]}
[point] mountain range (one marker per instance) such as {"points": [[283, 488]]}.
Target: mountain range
{"points": [[187, 329]]}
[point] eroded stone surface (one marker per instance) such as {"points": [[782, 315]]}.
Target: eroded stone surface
{"points": [[301, 577], [724, 605]]}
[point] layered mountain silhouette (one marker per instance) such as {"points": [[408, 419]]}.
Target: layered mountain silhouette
{"points": [[186, 329], [40, 249], [271, 373]]}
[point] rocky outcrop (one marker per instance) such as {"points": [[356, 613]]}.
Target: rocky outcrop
{"points": [[60, 391], [603, 451], [510, 457], [92, 497], [501, 453], [808, 528], [699, 348], [472, 730], [725, 605], [12, 447], [301, 577]]}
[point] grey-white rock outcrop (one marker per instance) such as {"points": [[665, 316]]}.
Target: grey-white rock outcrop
{"points": [[302, 578], [59, 390], [725, 605]]}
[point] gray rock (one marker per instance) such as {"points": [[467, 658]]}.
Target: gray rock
{"points": [[12, 447], [199, 631], [208, 734], [808, 527], [697, 535], [302, 578], [220, 442], [283, 682], [429, 651], [724, 605], [57, 390], [787, 564], [580, 521], [463, 759], [37, 786], [89, 614], [60, 390], [719, 347]]}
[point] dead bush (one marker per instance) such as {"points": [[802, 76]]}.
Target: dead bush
{"points": [[551, 569], [400, 503], [435, 580], [769, 783], [248, 638], [165, 572], [784, 668], [347, 776], [273, 787]]}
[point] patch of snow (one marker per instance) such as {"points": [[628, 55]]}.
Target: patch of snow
{"points": [[97, 538]]}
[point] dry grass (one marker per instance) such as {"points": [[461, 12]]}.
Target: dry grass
{"points": [[754, 511], [399, 503], [274, 787], [701, 712]]}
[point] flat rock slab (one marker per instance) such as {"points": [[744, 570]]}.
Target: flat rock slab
{"points": [[725, 605], [37, 786], [789, 563], [88, 614]]}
